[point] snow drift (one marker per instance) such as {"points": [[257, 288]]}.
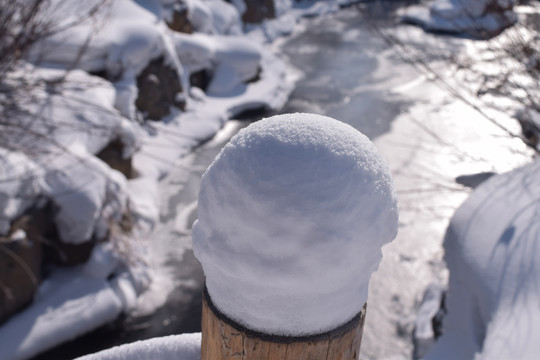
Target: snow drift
{"points": [[492, 252]]}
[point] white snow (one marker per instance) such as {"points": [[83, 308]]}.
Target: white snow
{"points": [[88, 195], [287, 14], [120, 39], [174, 347], [20, 184], [472, 18], [232, 59], [66, 126], [79, 114], [69, 303], [122, 35], [292, 217], [225, 17], [238, 61], [491, 248]]}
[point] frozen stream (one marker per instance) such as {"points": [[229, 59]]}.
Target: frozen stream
{"points": [[428, 138]]}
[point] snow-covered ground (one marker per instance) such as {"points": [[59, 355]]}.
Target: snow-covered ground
{"points": [[491, 249]]}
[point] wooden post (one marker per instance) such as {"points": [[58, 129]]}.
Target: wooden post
{"points": [[224, 339], [293, 214]]}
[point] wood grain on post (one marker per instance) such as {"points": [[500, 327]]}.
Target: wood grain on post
{"points": [[224, 339]]}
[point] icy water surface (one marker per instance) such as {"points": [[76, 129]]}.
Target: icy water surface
{"points": [[337, 56]]}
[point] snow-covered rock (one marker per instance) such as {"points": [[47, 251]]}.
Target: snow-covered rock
{"points": [[68, 304], [478, 19], [292, 217], [492, 252], [232, 60], [214, 17], [237, 60], [119, 40], [101, 41], [225, 17], [66, 122]]}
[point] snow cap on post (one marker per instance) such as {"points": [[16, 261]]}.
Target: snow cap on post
{"points": [[292, 216]]}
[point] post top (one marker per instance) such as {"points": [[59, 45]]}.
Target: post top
{"points": [[292, 217]]}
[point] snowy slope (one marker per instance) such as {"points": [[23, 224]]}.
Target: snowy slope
{"points": [[492, 252], [70, 115]]}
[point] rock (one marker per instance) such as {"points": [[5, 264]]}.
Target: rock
{"points": [[20, 269], [200, 79], [529, 119], [473, 180], [64, 254], [40, 225], [112, 156], [180, 21], [159, 88], [258, 10]]}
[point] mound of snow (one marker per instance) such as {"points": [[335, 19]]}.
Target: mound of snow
{"points": [[233, 60], [479, 19], [70, 303], [116, 29], [59, 128], [174, 347], [292, 217], [88, 195], [492, 251]]}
